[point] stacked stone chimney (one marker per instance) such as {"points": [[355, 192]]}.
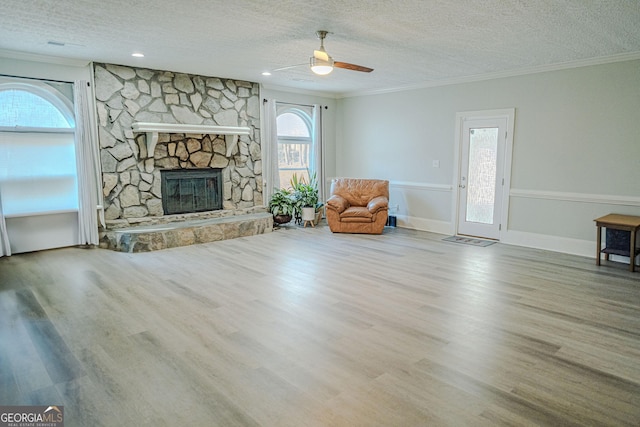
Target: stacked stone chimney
{"points": [[131, 176]]}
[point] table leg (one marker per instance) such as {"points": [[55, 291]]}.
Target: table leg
{"points": [[598, 244], [632, 251]]}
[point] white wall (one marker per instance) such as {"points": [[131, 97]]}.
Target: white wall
{"points": [[37, 232], [576, 150]]}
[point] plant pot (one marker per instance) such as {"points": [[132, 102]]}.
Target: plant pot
{"points": [[308, 214], [281, 219]]}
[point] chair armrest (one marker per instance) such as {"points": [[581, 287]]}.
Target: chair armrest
{"points": [[378, 204], [337, 203]]}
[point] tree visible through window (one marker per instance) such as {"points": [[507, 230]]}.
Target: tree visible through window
{"points": [[38, 172], [294, 145]]}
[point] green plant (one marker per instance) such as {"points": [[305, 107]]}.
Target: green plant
{"points": [[306, 194], [283, 202], [295, 181]]}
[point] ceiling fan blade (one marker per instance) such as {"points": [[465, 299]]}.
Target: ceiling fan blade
{"points": [[321, 55], [288, 67], [352, 67]]}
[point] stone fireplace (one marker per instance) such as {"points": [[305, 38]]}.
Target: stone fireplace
{"points": [[150, 121]]}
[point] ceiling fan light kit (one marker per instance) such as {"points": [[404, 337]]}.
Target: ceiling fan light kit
{"points": [[320, 66], [321, 63]]}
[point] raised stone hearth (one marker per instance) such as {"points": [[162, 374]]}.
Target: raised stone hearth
{"points": [[172, 231]]}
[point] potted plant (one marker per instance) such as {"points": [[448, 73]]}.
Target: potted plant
{"points": [[313, 181], [282, 205], [308, 199], [306, 196], [318, 205]]}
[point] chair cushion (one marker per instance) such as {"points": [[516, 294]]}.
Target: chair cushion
{"points": [[357, 214]]}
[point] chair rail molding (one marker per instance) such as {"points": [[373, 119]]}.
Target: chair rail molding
{"points": [[604, 199], [153, 129], [421, 186]]}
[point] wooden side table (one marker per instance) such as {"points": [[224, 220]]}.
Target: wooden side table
{"points": [[619, 222]]}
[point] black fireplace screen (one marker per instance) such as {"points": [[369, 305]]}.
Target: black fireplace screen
{"points": [[191, 190]]}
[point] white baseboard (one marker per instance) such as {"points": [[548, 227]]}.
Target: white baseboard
{"points": [[566, 245], [424, 224], [550, 243]]}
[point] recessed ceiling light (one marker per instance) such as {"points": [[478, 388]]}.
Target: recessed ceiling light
{"points": [[138, 54], [266, 73]]}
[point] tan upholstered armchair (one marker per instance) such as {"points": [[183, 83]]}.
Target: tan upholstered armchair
{"points": [[358, 205]]}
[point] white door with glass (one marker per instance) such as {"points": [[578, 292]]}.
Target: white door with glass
{"points": [[481, 176]]}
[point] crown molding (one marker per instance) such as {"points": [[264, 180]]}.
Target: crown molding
{"points": [[623, 57], [24, 56], [299, 91]]}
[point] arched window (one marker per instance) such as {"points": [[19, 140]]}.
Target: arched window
{"points": [[20, 107], [294, 144], [38, 172]]}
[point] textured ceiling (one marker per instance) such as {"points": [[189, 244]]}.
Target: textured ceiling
{"points": [[407, 42]]}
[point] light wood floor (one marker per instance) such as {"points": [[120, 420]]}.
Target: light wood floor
{"points": [[304, 328]]}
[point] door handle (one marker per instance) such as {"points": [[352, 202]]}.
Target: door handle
{"points": [[461, 186]]}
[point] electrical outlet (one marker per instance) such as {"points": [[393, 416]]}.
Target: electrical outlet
{"points": [[435, 163]]}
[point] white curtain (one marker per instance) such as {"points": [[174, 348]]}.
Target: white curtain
{"points": [[5, 249], [270, 172], [317, 157], [88, 161]]}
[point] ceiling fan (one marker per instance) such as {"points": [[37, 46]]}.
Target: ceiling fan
{"points": [[322, 63]]}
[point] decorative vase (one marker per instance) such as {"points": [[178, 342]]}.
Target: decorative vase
{"points": [[281, 219]]}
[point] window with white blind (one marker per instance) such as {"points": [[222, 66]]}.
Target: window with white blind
{"points": [[38, 172]]}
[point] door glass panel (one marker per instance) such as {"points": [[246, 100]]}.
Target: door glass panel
{"points": [[481, 185]]}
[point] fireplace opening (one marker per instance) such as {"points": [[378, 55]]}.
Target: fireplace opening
{"points": [[191, 190]]}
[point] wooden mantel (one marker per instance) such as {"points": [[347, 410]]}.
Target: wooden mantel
{"points": [[153, 129]]}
